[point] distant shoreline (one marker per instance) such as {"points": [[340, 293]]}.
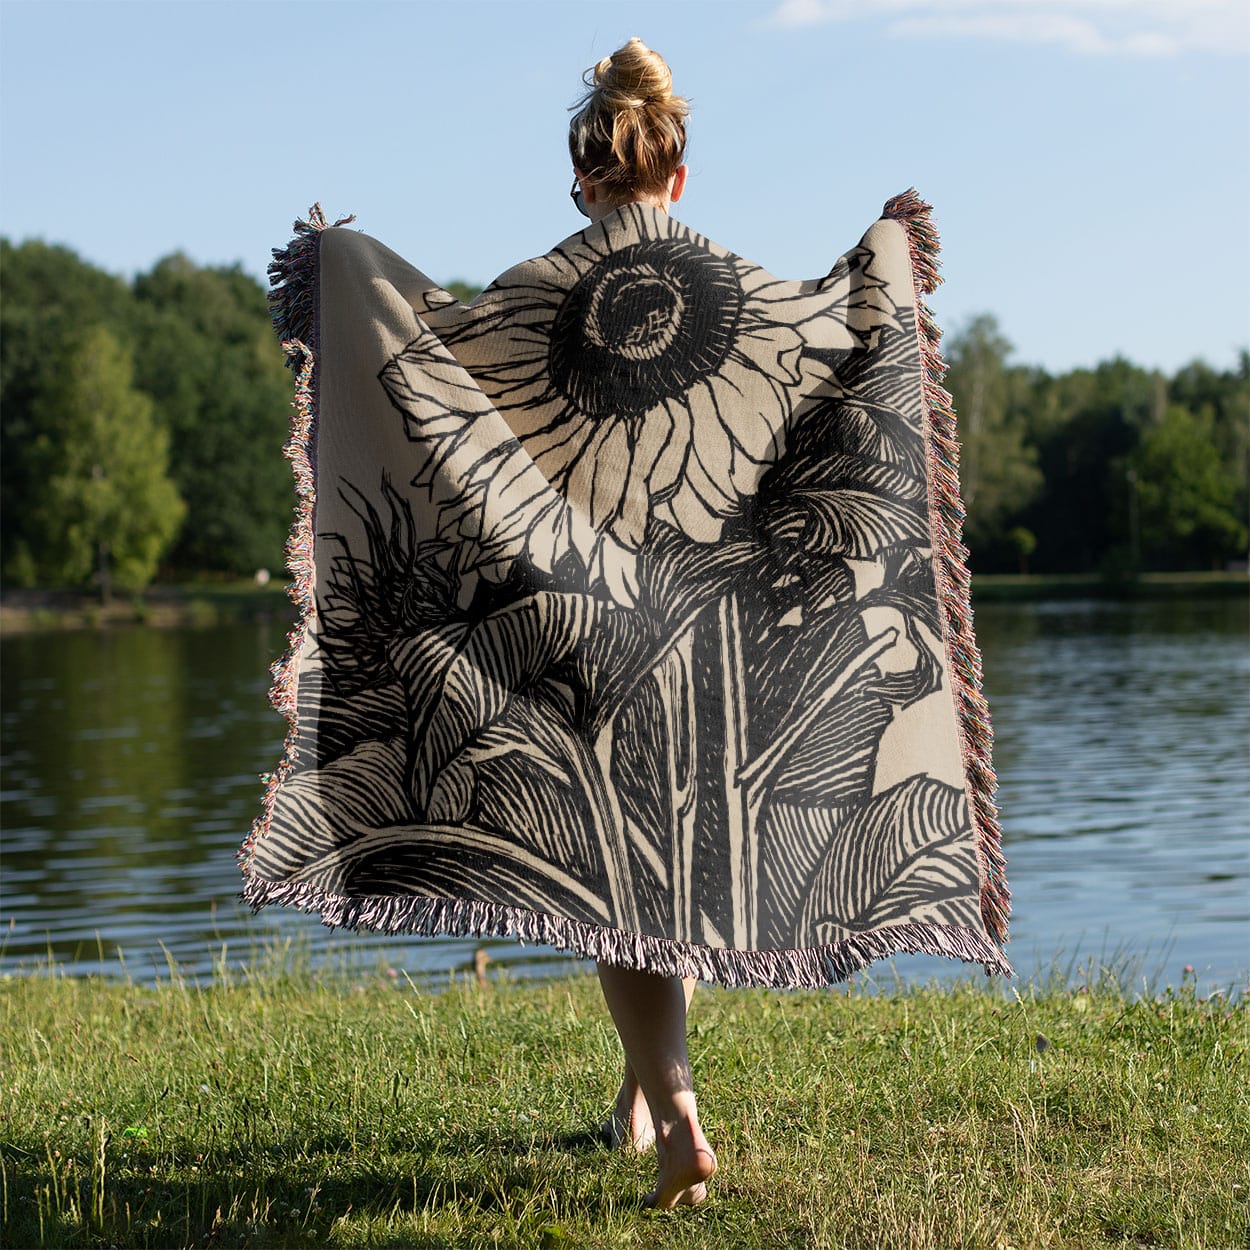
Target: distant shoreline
{"points": [[202, 605], [192, 604], [1003, 587]]}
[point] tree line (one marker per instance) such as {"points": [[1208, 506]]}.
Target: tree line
{"points": [[142, 423], [1113, 470]]}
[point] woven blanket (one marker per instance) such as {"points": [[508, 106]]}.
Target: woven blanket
{"points": [[635, 619]]}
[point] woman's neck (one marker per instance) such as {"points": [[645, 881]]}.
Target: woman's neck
{"points": [[605, 208]]}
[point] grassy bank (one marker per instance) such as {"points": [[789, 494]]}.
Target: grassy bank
{"points": [[191, 603], [288, 1111], [1001, 587], [213, 603]]}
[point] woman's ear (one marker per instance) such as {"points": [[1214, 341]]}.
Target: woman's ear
{"points": [[678, 184], [588, 185]]}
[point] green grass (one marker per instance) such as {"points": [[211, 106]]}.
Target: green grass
{"points": [[287, 1109], [218, 601], [194, 603], [1029, 587]]}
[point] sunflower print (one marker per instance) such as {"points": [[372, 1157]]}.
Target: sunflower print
{"points": [[632, 611], [635, 373]]}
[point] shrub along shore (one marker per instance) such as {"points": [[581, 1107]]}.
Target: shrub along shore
{"points": [[286, 1108], [229, 602]]}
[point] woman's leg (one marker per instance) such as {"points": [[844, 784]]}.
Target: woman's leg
{"points": [[650, 1016], [629, 1125]]}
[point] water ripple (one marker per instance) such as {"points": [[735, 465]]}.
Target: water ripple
{"points": [[131, 774]]}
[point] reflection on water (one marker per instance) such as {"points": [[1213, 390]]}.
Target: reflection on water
{"points": [[131, 760], [131, 763], [1122, 740]]}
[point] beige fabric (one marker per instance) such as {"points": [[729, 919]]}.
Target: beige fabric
{"points": [[628, 631]]}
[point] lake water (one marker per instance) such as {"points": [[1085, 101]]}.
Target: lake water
{"points": [[131, 759]]}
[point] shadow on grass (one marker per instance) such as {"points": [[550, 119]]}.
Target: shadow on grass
{"points": [[264, 1197]]}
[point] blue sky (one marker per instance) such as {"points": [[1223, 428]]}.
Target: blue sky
{"points": [[1089, 160]]}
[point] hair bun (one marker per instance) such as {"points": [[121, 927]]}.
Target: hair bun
{"points": [[634, 76], [629, 130]]}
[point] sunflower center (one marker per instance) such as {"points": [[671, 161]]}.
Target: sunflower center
{"points": [[644, 325], [635, 315]]}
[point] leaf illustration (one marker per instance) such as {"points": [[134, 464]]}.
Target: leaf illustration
{"points": [[793, 839], [902, 688], [505, 657], [451, 799], [848, 505], [332, 724], [680, 578], [401, 587], [907, 855], [525, 780], [821, 667], [599, 675], [420, 663], [321, 809], [348, 828], [908, 588], [495, 659], [887, 381], [827, 582], [856, 425], [459, 862], [833, 762], [908, 585], [641, 773]]}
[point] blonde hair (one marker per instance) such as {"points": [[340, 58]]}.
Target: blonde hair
{"points": [[629, 132]]}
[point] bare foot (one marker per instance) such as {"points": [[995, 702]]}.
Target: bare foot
{"points": [[686, 1165], [629, 1126]]}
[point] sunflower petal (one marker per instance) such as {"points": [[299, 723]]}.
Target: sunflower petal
{"points": [[692, 516]]}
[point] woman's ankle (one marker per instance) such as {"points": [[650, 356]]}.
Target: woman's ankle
{"points": [[678, 1111]]}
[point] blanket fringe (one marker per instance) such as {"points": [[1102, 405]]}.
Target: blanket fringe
{"points": [[810, 968], [293, 303], [293, 295], [951, 561]]}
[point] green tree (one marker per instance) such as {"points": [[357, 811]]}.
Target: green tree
{"points": [[465, 292], [208, 358], [104, 506], [1024, 543], [1086, 425], [1223, 398], [1186, 494], [997, 467], [51, 299]]}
